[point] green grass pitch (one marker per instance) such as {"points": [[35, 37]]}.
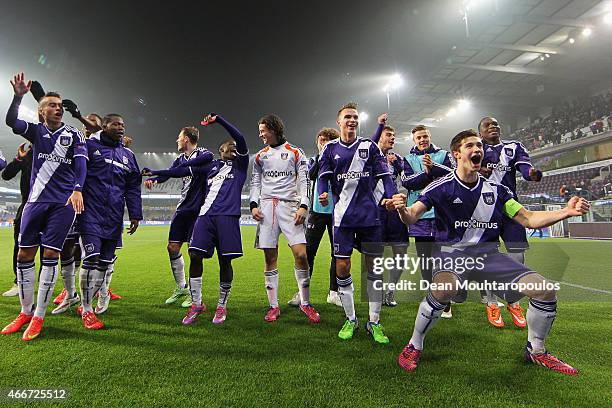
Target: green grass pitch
{"points": [[146, 357]]}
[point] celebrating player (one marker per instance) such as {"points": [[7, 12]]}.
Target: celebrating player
{"points": [[113, 183], [192, 197], [58, 173], [218, 223], [501, 161], [469, 214], [353, 166], [279, 202], [425, 163]]}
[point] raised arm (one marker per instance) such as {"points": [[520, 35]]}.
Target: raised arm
{"points": [[241, 145], [576, 207], [382, 121], [20, 88]]}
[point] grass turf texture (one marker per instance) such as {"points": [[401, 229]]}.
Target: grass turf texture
{"points": [[145, 356]]}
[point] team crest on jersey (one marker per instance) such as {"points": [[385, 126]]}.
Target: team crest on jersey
{"points": [[65, 140], [89, 248], [488, 198], [125, 160], [336, 249], [284, 156], [363, 153], [509, 152]]}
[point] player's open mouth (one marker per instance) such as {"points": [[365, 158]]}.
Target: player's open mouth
{"points": [[476, 159]]}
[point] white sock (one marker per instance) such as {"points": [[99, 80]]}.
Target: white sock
{"points": [[394, 277], [68, 277], [177, 263], [427, 317], [346, 291], [195, 288], [540, 317], [46, 284], [271, 280], [375, 296], [26, 281], [108, 276], [302, 277], [517, 256], [491, 297], [90, 280], [224, 291]]}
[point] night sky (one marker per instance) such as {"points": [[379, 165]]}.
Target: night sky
{"points": [[164, 67]]}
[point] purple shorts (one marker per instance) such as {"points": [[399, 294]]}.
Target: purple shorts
{"points": [[92, 245], [45, 224], [490, 266], [425, 227], [181, 226], [395, 232], [514, 236], [220, 231], [367, 240]]}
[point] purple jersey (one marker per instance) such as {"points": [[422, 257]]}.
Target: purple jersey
{"points": [[113, 182], [53, 175], [466, 216], [353, 171], [504, 159], [225, 182], [194, 187]]}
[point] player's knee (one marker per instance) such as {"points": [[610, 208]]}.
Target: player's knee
{"points": [[546, 294], [343, 268], [51, 253], [173, 248], [26, 254], [444, 295], [195, 255]]}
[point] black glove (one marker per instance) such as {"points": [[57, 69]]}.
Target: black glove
{"points": [[37, 91], [72, 108]]}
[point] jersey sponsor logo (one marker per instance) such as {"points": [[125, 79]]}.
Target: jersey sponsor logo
{"points": [[488, 198], [65, 140], [472, 224], [284, 156], [277, 173], [353, 175], [220, 177], [498, 166], [363, 153], [54, 158], [509, 151]]}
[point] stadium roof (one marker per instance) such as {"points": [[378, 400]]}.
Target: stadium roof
{"points": [[519, 56]]}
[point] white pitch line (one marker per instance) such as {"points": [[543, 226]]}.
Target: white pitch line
{"points": [[587, 288]]}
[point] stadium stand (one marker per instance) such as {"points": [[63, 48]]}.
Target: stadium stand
{"points": [[573, 120]]}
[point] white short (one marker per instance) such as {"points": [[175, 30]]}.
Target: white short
{"points": [[278, 217]]}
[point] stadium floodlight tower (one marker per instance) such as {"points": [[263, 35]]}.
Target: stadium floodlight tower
{"points": [[395, 82]]}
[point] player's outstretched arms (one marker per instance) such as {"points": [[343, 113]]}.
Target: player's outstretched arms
{"points": [[408, 215], [576, 207]]}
